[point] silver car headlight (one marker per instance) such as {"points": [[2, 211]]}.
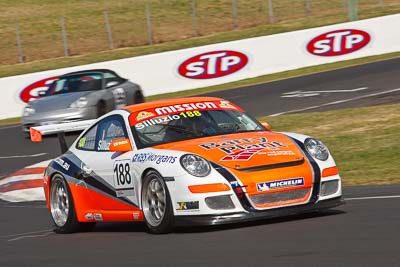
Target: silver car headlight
{"points": [[195, 165], [317, 149], [28, 110], [80, 103]]}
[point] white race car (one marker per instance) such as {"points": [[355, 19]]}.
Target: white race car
{"points": [[188, 161]]}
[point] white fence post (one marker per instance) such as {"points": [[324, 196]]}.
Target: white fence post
{"points": [[234, 14], [108, 29], [270, 12], [19, 44], [148, 20], [194, 19], [64, 36]]}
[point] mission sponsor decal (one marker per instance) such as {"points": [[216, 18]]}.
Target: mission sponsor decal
{"points": [[337, 43], [293, 182], [246, 145], [151, 157], [179, 108]]}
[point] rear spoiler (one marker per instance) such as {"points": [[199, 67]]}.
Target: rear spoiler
{"points": [[60, 129]]}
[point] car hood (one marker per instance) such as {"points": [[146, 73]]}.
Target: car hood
{"points": [[242, 151], [56, 102]]}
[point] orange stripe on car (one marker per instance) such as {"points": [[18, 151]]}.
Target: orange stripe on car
{"points": [[209, 188], [330, 171]]}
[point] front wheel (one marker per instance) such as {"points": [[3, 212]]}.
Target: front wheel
{"points": [[156, 203], [62, 208]]}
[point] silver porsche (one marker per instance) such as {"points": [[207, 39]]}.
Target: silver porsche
{"points": [[79, 96]]}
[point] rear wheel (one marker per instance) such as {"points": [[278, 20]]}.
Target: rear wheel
{"points": [[62, 208], [156, 203]]}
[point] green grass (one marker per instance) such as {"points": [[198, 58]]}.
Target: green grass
{"points": [[364, 141], [10, 121]]}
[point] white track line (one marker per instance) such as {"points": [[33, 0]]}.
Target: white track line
{"points": [[327, 91], [336, 102], [376, 197], [9, 127], [24, 156]]}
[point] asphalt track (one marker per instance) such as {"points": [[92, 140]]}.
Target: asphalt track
{"points": [[364, 232]]}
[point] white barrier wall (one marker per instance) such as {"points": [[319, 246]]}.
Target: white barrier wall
{"points": [[231, 61]]}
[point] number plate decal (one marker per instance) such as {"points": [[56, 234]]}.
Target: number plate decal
{"points": [[122, 175]]}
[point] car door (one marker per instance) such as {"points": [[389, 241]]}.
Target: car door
{"points": [[113, 170]]}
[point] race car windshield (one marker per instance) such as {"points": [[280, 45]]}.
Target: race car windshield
{"points": [[192, 124], [76, 83]]}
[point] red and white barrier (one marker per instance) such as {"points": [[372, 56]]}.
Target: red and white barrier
{"points": [[24, 185]]}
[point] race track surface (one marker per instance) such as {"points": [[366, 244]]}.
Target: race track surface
{"points": [[363, 232]]}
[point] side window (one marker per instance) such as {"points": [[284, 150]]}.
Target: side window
{"points": [[88, 141], [108, 130], [110, 77]]}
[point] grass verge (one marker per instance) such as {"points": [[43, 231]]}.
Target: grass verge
{"points": [[364, 141]]}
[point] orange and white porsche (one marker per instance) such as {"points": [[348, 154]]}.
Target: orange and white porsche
{"points": [[188, 161]]}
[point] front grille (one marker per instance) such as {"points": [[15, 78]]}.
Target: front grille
{"points": [[220, 202], [329, 187], [280, 198]]}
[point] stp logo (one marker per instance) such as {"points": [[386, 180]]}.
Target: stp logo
{"points": [[213, 64], [32, 91], [338, 43]]}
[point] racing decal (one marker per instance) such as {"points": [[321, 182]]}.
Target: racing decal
{"points": [[185, 107], [243, 145], [80, 171], [277, 153], [65, 165], [122, 175], [144, 115], [213, 64], [189, 205], [104, 145], [89, 216], [340, 42], [185, 110], [98, 217], [158, 120], [293, 182], [151, 157], [119, 97], [242, 154], [31, 91]]}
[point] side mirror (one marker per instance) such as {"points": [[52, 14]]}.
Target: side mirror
{"points": [[111, 84], [41, 93], [266, 125], [120, 145]]}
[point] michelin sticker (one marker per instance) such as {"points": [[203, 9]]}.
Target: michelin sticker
{"points": [[265, 186]]}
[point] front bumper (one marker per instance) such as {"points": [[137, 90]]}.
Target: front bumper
{"points": [[257, 215], [58, 116]]}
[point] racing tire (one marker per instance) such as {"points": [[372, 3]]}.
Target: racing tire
{"points": [[101, 109], [156, 204], [62, 208], [138, 97]]}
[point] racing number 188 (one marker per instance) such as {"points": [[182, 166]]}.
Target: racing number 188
{"points": [[122, 172]]}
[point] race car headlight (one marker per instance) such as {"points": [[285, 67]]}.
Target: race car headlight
{"points": [[316, 148], [28, 111], [195, 165], [80, 103]]}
